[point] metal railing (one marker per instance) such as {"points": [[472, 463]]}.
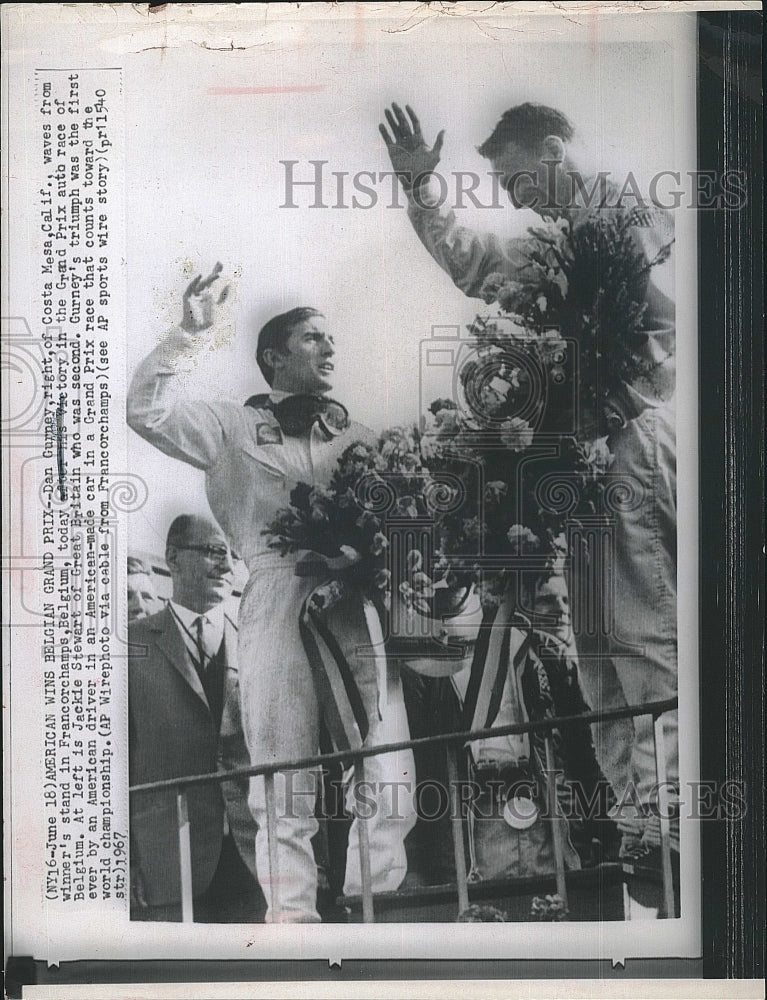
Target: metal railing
{"points": [[451, 741]]}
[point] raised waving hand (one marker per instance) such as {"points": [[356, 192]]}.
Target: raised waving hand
{"points": [[410, 156], [199, 303]]}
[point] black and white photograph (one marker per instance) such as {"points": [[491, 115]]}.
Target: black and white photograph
{"points": [[360, 547], [443, 470]]}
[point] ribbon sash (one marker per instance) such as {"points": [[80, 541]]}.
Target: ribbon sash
{"points": [[337, 693], [501, 644]]}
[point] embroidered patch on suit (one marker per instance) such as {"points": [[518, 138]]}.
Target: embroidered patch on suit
{"points": [[268, 434]]}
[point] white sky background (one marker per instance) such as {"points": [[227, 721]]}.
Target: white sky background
{"points": [[205, 184]]}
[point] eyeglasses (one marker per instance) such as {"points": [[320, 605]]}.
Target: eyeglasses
{"points": [[216, 553]]}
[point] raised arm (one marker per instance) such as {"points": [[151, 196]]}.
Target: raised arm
{"points": [[466, 256], [157, 407]]}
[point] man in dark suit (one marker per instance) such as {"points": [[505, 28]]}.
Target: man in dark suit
{"points": [[184, 710]]}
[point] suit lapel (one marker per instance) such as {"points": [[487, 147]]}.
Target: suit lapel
{"points": [[230, 643], [170, 642]]}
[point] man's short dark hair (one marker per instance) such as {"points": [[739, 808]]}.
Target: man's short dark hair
{"points": [[528, 125], [275, 334]]}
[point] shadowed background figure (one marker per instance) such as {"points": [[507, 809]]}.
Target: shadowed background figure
{"points": [[142, 596]]}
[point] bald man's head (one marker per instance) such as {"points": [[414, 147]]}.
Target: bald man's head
{"points": [[200, 563]]}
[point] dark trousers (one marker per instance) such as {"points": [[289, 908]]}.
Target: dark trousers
{"points": [[233, 896]]}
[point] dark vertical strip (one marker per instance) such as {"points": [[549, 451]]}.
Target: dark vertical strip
{"points": [[731, 297]]}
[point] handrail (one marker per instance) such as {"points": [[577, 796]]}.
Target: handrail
{"points": [[654, 708]]}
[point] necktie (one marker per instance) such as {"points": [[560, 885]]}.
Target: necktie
{"points": [[210, 669], [200, 640]]}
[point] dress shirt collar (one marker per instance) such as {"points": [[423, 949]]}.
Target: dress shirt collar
{"points": [[215, 616]]}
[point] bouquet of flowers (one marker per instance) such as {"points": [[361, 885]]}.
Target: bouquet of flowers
{"points": [[535, 393], [343, 534], [585, 286], [334, 527], [520, 499], [340, 529]]}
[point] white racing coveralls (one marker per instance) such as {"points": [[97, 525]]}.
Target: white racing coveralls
{"points": [[250, 469]]}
